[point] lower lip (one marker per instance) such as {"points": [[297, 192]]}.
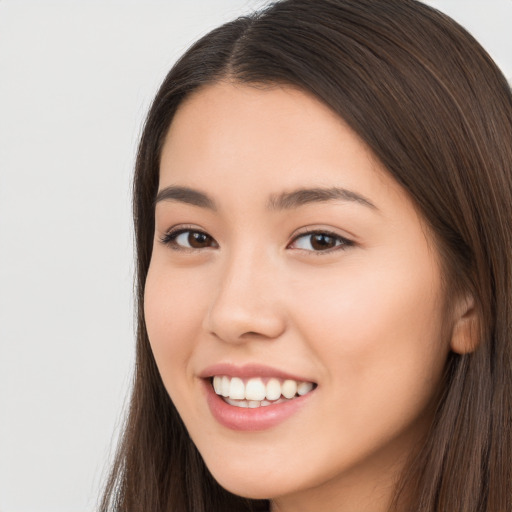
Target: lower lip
{"points": [[244, 418]]}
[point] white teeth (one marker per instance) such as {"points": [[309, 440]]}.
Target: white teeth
{"points": [[255, 393], [253, 404], [304, 387], [289, 388], [255, 390], [225, 386], [237, 389], [238, 403], [217, 384], [273, 389]]}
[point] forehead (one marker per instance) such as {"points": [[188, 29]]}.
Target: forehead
{"points": [[228, 131], [234, 114]]}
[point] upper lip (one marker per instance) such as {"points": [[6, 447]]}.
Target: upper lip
{"points": [[248, 371]]}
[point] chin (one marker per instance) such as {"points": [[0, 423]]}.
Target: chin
{"points": [[257, 485]]}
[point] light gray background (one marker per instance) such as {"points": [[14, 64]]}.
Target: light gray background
{"points": [[76, 79]]}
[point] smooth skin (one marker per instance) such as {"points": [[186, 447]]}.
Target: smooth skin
{"points": [[356, 307]]}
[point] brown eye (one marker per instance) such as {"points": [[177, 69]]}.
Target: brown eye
{"points": [[189, 239], [320, 242], [198, 240]]}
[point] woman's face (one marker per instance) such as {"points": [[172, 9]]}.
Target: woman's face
{"points": [[285, 258]]}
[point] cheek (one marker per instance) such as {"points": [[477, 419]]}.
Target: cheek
{"points": [[172, 314], [365, 304], [378, 330]]}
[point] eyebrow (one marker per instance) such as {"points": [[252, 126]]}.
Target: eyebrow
{"points": [[185, 195], [303, 196], [284, 201]]}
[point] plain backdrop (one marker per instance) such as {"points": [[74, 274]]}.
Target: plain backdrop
{"points": [[76, 79]]}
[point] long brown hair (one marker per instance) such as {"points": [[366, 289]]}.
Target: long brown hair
{"points": [[437, 113]]}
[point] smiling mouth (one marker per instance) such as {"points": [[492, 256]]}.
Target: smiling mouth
{"points": [[258, 392]]}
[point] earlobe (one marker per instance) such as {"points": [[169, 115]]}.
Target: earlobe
{"points": [[465, 336]]}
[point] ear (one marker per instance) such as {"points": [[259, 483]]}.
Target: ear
{"points": [[465, 336]]}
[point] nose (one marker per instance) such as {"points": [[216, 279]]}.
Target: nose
{"points": [[248, 304]]}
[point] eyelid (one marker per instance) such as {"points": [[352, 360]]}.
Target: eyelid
{"points": [[345, 242], [169, 237]]}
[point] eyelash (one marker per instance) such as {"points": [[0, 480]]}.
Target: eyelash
{"points": [[341, 243], [169, 238]]}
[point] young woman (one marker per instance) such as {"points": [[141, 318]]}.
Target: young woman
{"points": [[323, 205]]}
